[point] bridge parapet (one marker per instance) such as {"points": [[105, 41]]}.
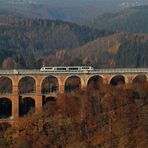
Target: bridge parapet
{"points": [[107, 70]]}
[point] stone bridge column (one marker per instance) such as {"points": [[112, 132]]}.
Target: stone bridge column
{"points": [[15, 89], [15, 97], [61, 88], [83, 82], [15, 106], [39, 85], [38, 96], [62, 84], [130, 78], [106, 79], [38, 89], [38, 103]]}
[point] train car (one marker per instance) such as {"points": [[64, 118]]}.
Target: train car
{"points": [[80, 68], [47, 69], [53, 69], [68, 69], [89, 68]]}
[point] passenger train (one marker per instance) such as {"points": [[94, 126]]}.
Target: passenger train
{"points": [[67, 69]]}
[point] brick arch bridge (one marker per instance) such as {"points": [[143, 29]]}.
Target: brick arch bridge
{"points": [[107, 76]]}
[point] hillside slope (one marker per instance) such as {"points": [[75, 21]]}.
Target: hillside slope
{"points": [[20, 37], [129, 20], [119, 50]]}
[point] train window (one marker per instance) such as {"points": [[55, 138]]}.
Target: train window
{"points": [[73, 68], [85, 67], [60, 68], [49, 68]]}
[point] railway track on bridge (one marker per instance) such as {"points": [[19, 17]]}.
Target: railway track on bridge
{"points": [[96, 71]]}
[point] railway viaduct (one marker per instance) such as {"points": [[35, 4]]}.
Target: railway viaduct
{"points": [[38, 86]]}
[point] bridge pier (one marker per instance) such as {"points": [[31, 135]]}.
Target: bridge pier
{"points": [[83, 86], [15, 89], [38, 103], [38, 89], [130, 79], [84, 81], [61, 88], [38, 86], [106, 80], [15, 106]]}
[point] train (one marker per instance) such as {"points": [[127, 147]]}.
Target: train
{"points": [[67, 69]]}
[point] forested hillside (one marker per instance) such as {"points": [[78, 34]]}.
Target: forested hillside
{"points": [[30, 43], [118, 50], [24, 41], [29, 49], [129, 20]]}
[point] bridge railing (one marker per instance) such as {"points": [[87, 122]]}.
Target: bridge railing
{"points": [[107, 70], [121, 70], [20, 71]]}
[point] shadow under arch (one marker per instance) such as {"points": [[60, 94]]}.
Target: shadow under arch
{"points": [[118, 79], [48, 99], [26, 105], [50, 105], [5, 108], [72, 83], [95, 82], [50, 84], [5, 85], [27, 84], [139, 79], [4, 127]]}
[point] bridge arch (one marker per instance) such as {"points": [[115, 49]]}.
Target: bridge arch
{"points": [[5, 108], [50, 84], [72, 83], [6, 85], [27, 84], [118, 79], [26, 105], [140, 79], [95, 81]]}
